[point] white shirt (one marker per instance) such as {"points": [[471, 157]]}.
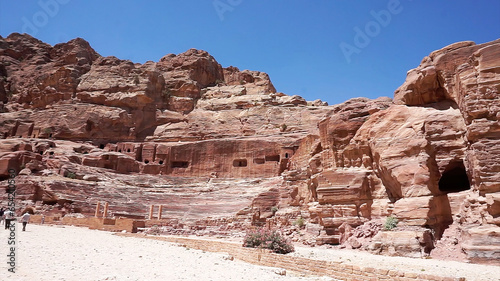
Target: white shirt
{"points": [[25, 217], [8, 215]]}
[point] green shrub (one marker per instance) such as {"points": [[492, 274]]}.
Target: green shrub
{"points": [[390, 223], [71, 175], [274, 209], [267, 239], [300, 222]]}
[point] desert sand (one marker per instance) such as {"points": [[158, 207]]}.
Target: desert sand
{"points": [[74, 253]]}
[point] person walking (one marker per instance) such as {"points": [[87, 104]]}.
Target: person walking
{"points": [[9, 216], [2, 211], [25, 219]]}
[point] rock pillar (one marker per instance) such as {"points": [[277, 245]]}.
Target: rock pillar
{"points": [[160, 210], [105, 213], [151, 210], [97, 209]]}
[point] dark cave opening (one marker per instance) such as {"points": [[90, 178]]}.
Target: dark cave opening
{"points": [[89, 125], [240, 163], [454, 178]]}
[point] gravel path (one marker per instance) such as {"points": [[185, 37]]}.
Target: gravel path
{"points": [[73, 253]]}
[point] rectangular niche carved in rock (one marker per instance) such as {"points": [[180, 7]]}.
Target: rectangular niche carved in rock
{"points": [[273, 158], [179, 164], [259, 160], [240, 163]]}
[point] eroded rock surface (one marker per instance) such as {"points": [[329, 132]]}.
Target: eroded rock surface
{"points": [[221, 149]]}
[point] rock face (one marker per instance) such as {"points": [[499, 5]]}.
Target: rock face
{"points": [[466, 76], [221, 149]]}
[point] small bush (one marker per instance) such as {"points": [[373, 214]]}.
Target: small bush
{"points": [[268, 239], [71, 175], [274, 209], [300, 222], [390, 223]]}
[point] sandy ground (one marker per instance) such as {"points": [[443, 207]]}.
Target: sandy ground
{"points": [[73, 253], [473, 272], [426, 266]]}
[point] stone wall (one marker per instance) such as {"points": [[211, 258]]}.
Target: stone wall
{"points": [[107, 224], [303, 265]]}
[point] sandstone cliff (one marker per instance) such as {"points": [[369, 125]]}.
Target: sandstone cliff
{"points": [[222, 149]]}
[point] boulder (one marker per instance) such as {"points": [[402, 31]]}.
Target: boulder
{"points": [[410, 243]]}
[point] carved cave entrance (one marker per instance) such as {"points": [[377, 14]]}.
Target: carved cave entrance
{"points": [[240, 163], [454, 178]]}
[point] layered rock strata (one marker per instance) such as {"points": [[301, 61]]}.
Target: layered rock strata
{"points": [[223, 149]]}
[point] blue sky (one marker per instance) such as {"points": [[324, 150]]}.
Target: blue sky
{"points": [[329, 50]]}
